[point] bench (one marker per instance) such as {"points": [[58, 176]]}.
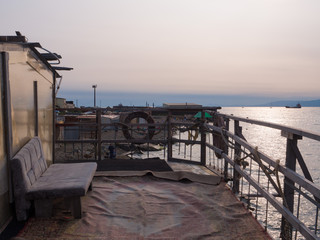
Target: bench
{"points": [[34, 181]]}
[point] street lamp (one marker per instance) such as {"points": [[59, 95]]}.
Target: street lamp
{"points": [[94, 94]]}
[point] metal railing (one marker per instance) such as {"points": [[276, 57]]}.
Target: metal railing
{"points": [[255, 176], [275, 193]]}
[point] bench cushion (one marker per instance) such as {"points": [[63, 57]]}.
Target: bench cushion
{"points": [[27, 166], [63, 180], [32, 179], [29, 162]]}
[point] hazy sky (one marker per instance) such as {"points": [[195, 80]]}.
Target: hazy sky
{"points": [[260, 47]]}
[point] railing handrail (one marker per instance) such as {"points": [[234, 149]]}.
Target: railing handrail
{"points": [[296, 131], [177, 123], [305, 183]]}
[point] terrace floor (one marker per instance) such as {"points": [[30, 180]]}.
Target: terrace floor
{"points": [[141, 205]]}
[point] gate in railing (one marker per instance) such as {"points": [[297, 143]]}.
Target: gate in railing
{"points": [[275, 193]]}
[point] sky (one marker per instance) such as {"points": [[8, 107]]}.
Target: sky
{"points": [[247, 48]]}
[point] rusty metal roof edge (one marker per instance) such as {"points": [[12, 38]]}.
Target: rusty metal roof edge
{"points": [[13, 39], [33, 47], [19, 39]]}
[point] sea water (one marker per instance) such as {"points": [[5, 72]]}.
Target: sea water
{"points": [[269, 140]]}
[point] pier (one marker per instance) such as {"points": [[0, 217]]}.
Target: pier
{"points": [[268, 189]]}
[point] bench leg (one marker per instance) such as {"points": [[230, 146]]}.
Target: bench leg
{"points": [[90, 187], [43, 207], [74, 204]]}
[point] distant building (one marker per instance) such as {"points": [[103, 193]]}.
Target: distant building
{"points": [[70, 104], [61, 102], [181, 106]]}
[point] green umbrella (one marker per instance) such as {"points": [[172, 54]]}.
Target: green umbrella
{"points": [[206, 115]]}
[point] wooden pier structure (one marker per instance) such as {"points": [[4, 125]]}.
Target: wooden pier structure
{"points": [[258, 180]]}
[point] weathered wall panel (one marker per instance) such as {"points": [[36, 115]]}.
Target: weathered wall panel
{"points": [[24, 70]]}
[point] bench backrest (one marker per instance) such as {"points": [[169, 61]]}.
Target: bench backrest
{"points": [[27, 166]]}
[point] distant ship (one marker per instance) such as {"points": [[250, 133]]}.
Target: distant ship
{"points": [[296, 106]]}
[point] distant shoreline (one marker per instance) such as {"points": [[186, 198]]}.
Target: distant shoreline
{"points": [[105, 99], [292, 103]]}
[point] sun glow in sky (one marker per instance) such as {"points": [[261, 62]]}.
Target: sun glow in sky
{"points": [[265, 47]]}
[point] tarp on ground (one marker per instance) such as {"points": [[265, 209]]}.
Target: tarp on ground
{"points": [[148, 207]]}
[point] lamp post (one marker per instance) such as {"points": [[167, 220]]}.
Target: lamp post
{"points": [[94, 94]]}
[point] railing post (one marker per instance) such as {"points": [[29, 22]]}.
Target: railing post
{"points": [[203, 140], [36, 109], [169, 141], [98, 132], [7, 116], [226, 150], [54, 118], [292, 141], [237, 151]]}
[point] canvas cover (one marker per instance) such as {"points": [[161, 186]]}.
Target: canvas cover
{"points": [[147, 207]]}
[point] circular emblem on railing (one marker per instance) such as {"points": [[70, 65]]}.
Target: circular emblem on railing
{"points": [[138, 132]]}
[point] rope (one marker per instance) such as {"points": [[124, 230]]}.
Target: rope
{"points": [[191, 136]]}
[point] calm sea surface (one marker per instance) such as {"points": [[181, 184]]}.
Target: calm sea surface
{"points": [[270, 141]]}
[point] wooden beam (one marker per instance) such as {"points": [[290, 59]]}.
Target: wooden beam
{"points": [[54, 133], [36, 113], [203, 137], [98, 135], [303, 166], [288, 191], [169, 136], [7, 115], [237, 152], [226, 151], [290, 135], [179, 160], [93, 141], [301, 162]]}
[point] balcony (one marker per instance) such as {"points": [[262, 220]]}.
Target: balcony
{"points": [[182, 174]]}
